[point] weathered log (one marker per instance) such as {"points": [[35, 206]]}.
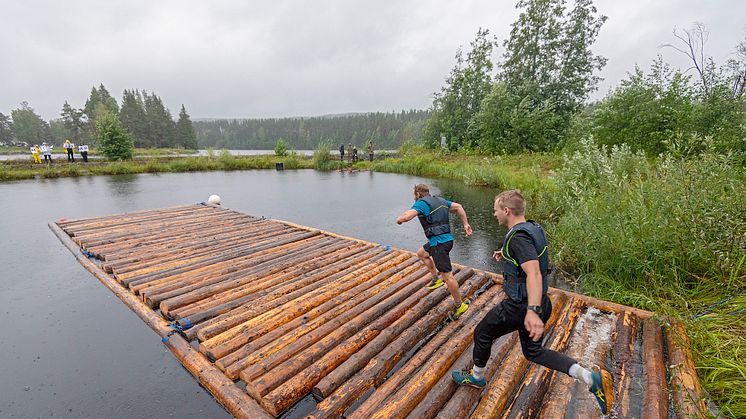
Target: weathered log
{"points": [[290, 358], [372, 340], [443, 304], [134, 279], [688, 400], [230, 340], [301, 333], [198, 290], [455, 401], [227, 327], [655, 398], [150, 253], [401, 392], [326, 354], [236, 316], [626, 360], [282, 284]]}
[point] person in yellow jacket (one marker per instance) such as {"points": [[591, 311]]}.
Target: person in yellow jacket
{"points": [[36, 154]]}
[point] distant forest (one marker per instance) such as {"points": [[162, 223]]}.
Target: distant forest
{"points": [[386, 130]]}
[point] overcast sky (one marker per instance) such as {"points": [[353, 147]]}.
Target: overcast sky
{"points": [[303, 58]]}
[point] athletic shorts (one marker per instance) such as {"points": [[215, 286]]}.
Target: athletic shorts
{"points": [[440, 255]]}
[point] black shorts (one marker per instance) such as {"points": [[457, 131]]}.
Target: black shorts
{"points": [[440, 255]]}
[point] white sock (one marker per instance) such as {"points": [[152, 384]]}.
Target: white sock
{"points": [[582, 374], [478, 372]]}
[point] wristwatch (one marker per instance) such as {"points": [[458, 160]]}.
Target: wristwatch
{"points": [[535, 309]]}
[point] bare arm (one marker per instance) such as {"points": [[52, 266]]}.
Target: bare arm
{"points": [[459, 210], [533, 322], [406, 216]]}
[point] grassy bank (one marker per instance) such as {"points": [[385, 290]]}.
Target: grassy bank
{"points": [[665, 235], [19, 170], [138, 151]]}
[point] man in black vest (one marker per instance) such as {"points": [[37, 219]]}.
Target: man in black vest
{"points": [[525, 263], [433, 215]]}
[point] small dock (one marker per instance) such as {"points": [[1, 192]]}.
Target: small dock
{"points": [[265, 313]]}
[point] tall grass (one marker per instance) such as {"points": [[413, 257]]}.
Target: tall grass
{"points": [[664, 235], [323, 158]]}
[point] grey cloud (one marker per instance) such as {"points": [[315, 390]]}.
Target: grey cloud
{"points": [[262, 59]]}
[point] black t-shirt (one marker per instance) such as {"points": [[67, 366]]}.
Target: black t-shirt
{"points": [[521, 248]]}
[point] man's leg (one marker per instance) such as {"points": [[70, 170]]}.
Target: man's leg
{"points": [[425, 258], [599, 383], [494, 325]]}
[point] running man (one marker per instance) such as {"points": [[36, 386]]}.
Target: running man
{"points": [[433, 214], [525, 264]]}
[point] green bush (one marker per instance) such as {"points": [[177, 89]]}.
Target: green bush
{"points": [[114, 141], [664, 235], [281, 149], [322, 157]]}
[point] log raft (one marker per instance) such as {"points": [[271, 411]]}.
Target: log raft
{"points": [[265, 312]]}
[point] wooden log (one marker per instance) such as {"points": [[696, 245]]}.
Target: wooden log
{"points": [[224, 390], [655, 398], [688, 400], [230, 268], [134, 281], [626, 358], [76, 226], [157, 243], [401, 392], [223, 322], [455, 401], [190, 292], [505, 383], [229, 326], [216, 234], [282, 283], [334, 348], [318, 342], [443, 305], [232, 339], [374, 337], [151, 255], [65, 224], [303, 332], [173, 227]]}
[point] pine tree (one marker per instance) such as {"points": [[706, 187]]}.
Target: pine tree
{"points": [[73, 122], [6, 129], [28, 126], [132, 116], [185, 136]]}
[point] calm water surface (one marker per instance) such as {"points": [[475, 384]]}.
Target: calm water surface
{"points": [[70, 348]]}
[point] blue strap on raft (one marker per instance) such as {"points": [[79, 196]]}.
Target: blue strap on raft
{"points": [[719, 303], [87, 253], [177, 328], [385, 247]]}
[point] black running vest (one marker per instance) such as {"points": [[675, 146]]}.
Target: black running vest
{"points": [[515, 279]]}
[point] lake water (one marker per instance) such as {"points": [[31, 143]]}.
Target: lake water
{"points": [[70, 348]]}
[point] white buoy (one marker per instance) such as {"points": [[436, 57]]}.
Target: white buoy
{"points": [[214, 199]]}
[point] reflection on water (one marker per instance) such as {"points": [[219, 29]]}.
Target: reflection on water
{"points": [[73, 349]]}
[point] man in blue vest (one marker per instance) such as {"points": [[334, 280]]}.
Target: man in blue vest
{"points": [[525, 263], [432, 212]]}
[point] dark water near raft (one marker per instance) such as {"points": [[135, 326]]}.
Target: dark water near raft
{"points": [[70, 348]]}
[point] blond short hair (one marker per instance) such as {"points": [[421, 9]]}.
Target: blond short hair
{"points": [[422, 189], [512, 199]]}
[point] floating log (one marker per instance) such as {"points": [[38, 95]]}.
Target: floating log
{"points": [[655, 399], [686, 390]]}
